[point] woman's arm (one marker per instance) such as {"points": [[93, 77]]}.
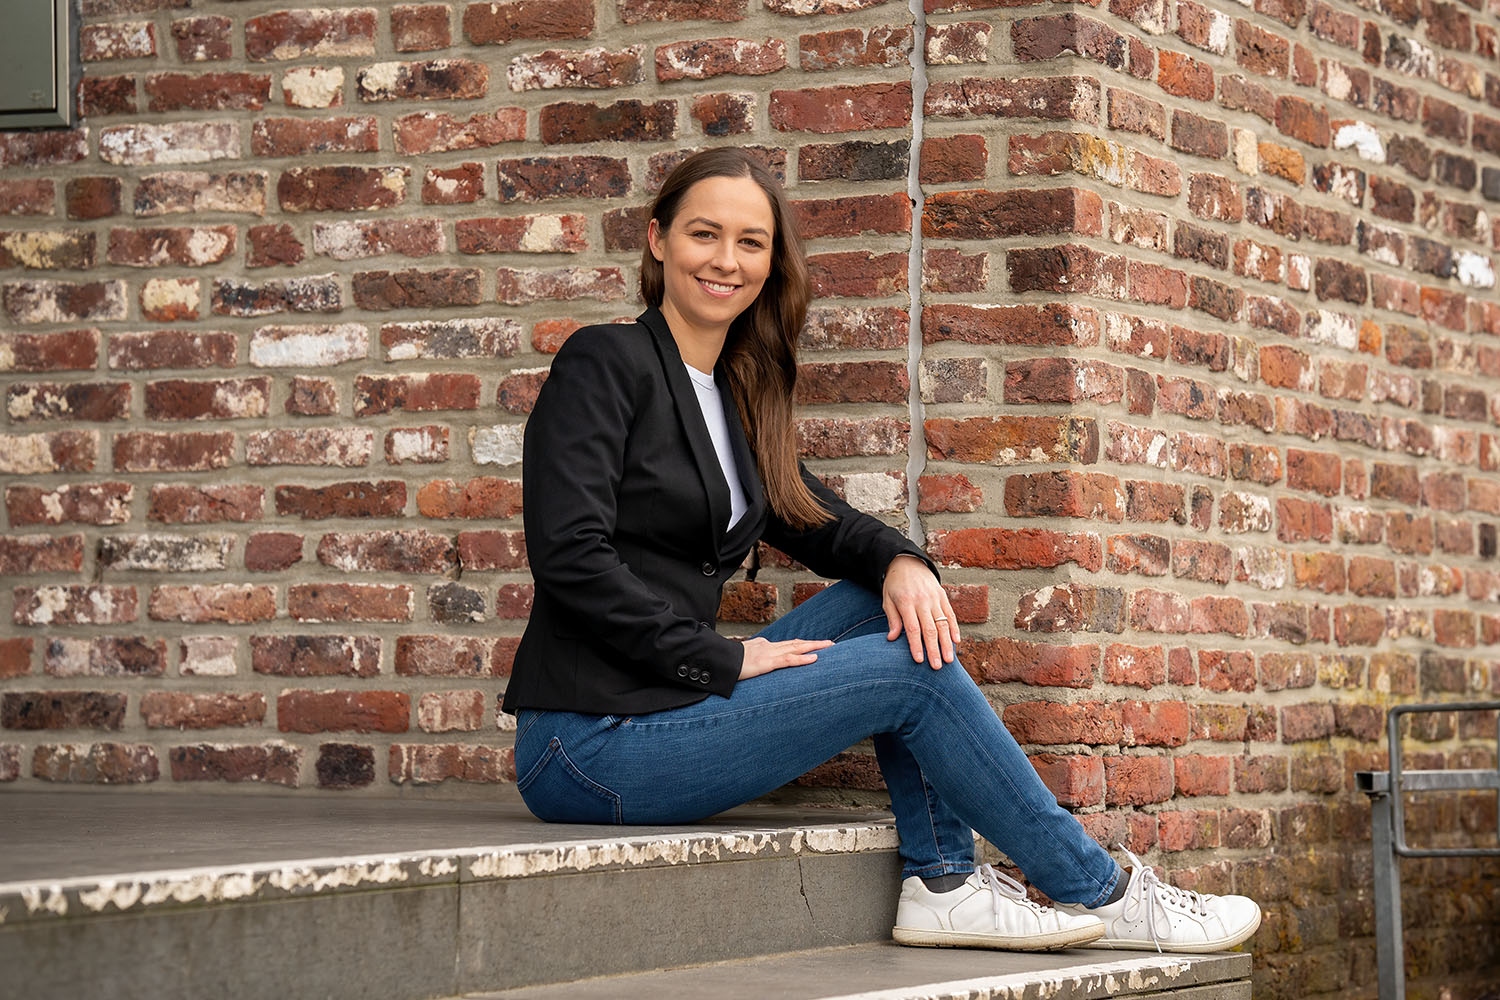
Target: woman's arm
{"points": [[574, 462], [852, 545]]}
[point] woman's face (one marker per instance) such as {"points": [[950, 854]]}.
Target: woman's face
{"points": [[715, 254]]}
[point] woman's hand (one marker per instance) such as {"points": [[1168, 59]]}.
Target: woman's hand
{"points": [[763, 656], [915, 603]]}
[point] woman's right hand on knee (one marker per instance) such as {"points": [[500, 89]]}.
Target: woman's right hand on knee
{"points": [[763, 656]]}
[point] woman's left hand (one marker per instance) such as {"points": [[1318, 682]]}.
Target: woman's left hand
{"points": [[915, 603]]}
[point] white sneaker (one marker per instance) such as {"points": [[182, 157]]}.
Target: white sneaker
{"points": [[989, 910], [1155, 916]]}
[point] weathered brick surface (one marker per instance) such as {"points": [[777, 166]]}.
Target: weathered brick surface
{"points": [[1206, 303]]}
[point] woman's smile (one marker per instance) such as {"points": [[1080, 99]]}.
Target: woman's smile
{"points": [[718, 287]]}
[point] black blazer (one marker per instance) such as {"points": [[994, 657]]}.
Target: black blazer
{"points": [[625, 508]]}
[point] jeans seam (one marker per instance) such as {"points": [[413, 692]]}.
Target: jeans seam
{"points": [[859, 624]]}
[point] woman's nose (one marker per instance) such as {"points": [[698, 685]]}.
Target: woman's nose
{"points": [[725, 258]]}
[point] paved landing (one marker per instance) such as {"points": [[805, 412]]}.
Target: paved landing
{"points": [[68, 835]]}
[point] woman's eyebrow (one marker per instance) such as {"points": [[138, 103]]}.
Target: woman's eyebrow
{"points": [[716, 225]]}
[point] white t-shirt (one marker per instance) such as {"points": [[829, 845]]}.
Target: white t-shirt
{"points": [[711, 402]]}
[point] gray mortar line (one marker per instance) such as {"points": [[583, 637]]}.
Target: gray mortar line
{"points": [[916, 457]]}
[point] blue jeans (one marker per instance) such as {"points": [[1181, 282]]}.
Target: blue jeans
{"points": [[949, 762]]}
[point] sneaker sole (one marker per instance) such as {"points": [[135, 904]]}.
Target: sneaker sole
{"points": [[1223, 944], [1051, 941]]}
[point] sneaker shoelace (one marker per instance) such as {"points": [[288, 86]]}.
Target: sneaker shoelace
{"points": [[1003, 886], [1150, 894]]}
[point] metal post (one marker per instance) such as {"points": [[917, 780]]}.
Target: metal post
{"points": [[1389, 955]]}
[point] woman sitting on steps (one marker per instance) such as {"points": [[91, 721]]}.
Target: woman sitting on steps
{"points": [[657, 455]]}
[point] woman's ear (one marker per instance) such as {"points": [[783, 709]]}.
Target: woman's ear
{"points": [[653, 238]]}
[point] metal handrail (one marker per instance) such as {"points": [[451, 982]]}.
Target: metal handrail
{"points": [[1432, 781], [1388, 832]]}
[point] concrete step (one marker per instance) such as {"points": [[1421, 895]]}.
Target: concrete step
{"points": [[886, 971], [185, 896]]}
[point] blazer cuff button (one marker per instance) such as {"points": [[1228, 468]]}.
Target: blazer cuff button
{"points": [[682, 670], [709, 569]]}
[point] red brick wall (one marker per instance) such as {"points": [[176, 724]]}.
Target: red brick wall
{"points": [[1204, 351]]}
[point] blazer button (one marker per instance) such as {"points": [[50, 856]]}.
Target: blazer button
{"points": [[704, 678], [709, 569], [693, 674], [682, 670]]}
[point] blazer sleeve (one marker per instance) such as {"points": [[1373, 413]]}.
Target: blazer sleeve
{"points": [[574, 457], [852, 545]]}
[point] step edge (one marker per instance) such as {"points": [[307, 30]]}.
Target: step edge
{"points": [[1092, 975], [138, 891]]}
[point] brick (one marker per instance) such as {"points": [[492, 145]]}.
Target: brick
{"points": [[96, 763], [473, 338], [229, 602], [1014, 549], [183, 504], [172, 142], [1050, 98], [114, 656], [861, 160], [315, 655], [15, 657], [181, 451], [1137, 780], [202, 39], [119, 40], [272, 245], [621, 121], [439, 132], [40, 710], [958, 42], [43, 301], [90, 401], [345, 765], [485, 496], [406, 552], [207, 91], [431, 763], [1074, 780], [340, 602], [305, 711], [184, 710], [885, 45], [1067, 494], [165, 553], [1044, 722], [987, 215], [296, 34], [302, 136], [420, 27], [28, 196], [272, 763], [447, 656], [271, 551], [382, 499], [1183, 76], [498, 23], [341, 189], [43, 148], [1199, 136]]}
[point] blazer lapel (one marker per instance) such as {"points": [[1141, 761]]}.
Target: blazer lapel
{"points": [[690, 416]]}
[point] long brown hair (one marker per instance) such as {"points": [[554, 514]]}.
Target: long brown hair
{"points": [[760, 351]]}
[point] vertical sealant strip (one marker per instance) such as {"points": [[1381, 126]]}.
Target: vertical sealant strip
{"points": [[916, 459]]}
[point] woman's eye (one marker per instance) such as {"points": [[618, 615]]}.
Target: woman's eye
{"points": [[756, 244], [702, 234]]}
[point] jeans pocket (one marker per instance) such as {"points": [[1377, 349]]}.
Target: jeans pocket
{"points": [[556, 791]]}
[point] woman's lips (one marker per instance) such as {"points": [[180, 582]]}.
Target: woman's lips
{"points": [[718, 289]]}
